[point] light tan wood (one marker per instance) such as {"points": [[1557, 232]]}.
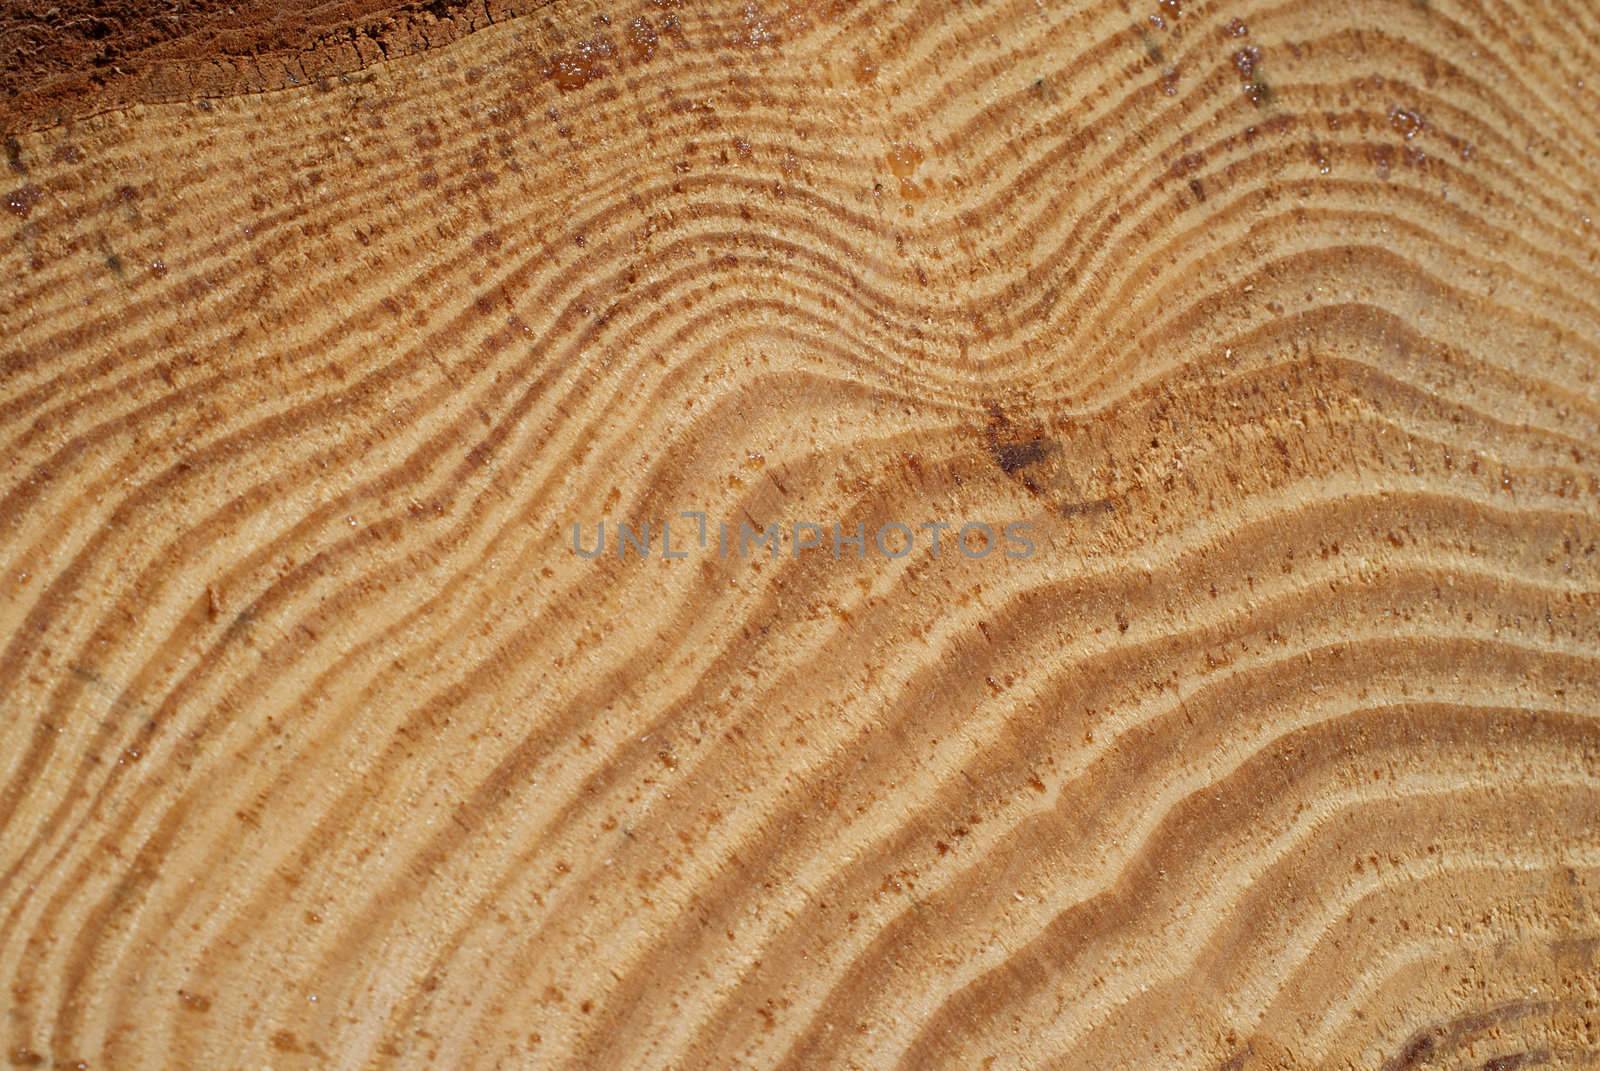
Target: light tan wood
{"points": [[1278, 323]]}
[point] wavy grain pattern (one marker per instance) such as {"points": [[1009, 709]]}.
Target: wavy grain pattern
{"points": [[1277, 322]]}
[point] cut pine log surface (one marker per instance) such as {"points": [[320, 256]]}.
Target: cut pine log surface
{"points": [[1271, 329]]}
